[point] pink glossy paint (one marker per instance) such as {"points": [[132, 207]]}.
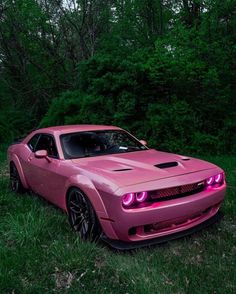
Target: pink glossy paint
{"points": [[105, 188]]}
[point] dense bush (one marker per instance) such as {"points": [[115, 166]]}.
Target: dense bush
{"points": [[167, 95], [170, 127], [165, 70], [74, 107]]}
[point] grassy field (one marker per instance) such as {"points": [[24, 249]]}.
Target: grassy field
{"points": [[40, 254]]}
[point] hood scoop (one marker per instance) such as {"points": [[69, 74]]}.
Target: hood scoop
{"points": [[185, 158], [121, 169], [167, 164]]}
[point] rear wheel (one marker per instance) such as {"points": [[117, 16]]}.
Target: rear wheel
{"points": [[82, 216], [15, 181]]}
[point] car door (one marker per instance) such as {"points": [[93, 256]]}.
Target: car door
{"points": [[43, 175], [26, 157]]}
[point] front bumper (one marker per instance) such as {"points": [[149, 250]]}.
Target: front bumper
{"points": [[161, 219], [122, 245]]}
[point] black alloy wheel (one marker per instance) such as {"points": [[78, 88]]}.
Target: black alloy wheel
{"points": [[82, 216], [15, 181]]}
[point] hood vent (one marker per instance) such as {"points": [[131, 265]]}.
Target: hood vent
{"points": [[167, 164], [185, 158], [122, 169]]}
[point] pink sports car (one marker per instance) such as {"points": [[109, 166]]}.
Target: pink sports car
{"points": [[114, 187]]}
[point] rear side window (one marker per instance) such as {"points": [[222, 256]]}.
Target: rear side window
{"points": [[33, 141]]}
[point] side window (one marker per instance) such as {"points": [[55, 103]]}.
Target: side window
{"points": [[33, 141], [47, 142]]}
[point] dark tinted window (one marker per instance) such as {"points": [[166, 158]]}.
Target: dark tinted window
{"points": [[47, 142], [95, 143], [33, 141]]}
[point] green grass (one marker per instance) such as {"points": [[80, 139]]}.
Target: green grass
{"points": [[40, 254]]}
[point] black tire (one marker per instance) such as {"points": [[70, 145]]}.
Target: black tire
{"points": [[82, 216], [15, 181]]}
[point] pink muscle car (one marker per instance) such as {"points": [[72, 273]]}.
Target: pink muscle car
{"points": [[114, 187]]}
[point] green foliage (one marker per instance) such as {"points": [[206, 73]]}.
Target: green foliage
{"points": [[156, 95], [13, 124], [164, 70], [74, 107], [171, 126]]}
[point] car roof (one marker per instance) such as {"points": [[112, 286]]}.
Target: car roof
{"points": [[75, 128]]}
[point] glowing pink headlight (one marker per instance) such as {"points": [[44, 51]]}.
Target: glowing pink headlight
{"points": [[128, 199], [142, 196], [215, 180], [218, 178], [210, 181]]}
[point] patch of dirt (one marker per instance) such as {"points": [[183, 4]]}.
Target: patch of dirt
{"points": [[63, 280], [4, 171]]}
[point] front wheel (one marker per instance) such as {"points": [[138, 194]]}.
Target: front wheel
{"points": [[82, 216]]}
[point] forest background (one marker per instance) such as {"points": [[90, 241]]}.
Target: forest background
{"points": [[163, 69]]}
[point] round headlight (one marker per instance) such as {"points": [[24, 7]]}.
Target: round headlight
{"points": [[218, 178], [210, 181], [128, 199], [141, 197]]}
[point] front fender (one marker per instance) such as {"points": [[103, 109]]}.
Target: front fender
{"points": [[87, 186], [14, 158]]}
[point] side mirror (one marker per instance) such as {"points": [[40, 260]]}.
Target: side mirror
{"points": [[143, 142], [42, 154]]}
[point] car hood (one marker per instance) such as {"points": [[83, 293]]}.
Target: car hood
{"points": [[141, 166]]}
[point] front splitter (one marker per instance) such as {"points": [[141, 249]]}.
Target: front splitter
{"points": [[122, 245]]}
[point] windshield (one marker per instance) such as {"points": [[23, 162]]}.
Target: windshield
{"points": [[95, 143]]}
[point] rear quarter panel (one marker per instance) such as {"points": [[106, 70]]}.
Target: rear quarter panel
{"points": [[15, 153]]}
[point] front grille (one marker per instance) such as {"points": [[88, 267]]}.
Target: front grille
{"points": [[176, 192]]}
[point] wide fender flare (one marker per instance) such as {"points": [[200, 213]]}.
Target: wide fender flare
{"points": [[86, 185], [14, 158]]}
